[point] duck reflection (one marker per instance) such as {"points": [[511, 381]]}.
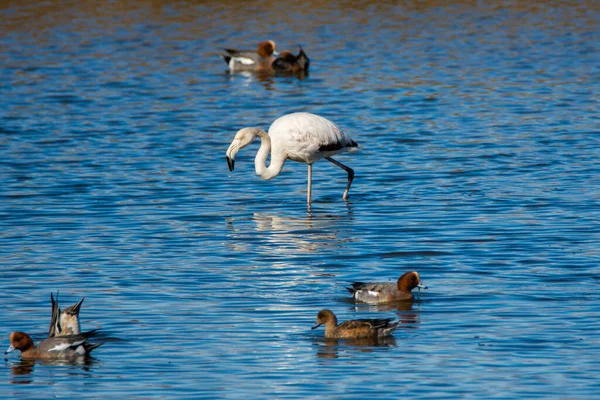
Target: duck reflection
{"points": [[22, 369], [331, 348], [405, 310], [246, 80], [397, 306]]}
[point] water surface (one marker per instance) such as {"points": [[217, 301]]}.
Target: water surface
{"points": [[478, 167]]}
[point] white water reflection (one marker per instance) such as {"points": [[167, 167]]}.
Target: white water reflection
{"points": [[278, 234]]}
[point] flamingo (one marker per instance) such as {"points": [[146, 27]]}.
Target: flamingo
{"points": [[301, 137]]}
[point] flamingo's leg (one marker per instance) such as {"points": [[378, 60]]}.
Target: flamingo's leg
{"points": [[308, 196], [350, 172]]}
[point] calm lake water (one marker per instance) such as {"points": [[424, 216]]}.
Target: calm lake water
{"points": [[478, 127]]}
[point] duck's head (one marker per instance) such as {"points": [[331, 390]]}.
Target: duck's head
{"points": [[266, 49], [409, 281], [325, 317], [19, 341]]}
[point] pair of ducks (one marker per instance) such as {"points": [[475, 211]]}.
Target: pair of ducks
{"points": [[65, 339], [371, 293], [266, 59]]}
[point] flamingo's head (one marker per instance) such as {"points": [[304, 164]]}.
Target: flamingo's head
{"points": [[242, 139]]}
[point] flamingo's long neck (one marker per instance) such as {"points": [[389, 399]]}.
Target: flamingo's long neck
{"points": [[260, 162]]}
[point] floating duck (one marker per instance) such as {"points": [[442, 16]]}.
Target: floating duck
{"points": [[374, 293], [354, 329]]}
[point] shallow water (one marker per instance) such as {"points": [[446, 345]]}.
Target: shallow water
{"points": [[478, 167]]}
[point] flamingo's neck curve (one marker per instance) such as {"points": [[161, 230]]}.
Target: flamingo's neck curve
{"points": [[260, 162]]}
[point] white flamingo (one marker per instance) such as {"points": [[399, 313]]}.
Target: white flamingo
{"points": [[301, 137]]}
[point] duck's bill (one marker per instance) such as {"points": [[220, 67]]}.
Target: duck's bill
{"points": [[316, 326], [230, 163], [275, 54], [420, 286], [11, 348]]}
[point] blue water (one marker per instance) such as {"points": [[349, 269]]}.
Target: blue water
{"points": [[479, 136]]}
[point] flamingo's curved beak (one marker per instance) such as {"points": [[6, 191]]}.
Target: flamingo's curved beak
{"points": [[230, 163]]}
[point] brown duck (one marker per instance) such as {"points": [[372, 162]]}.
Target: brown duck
{"points": [[63, 347], [250, 60], [374, 293], [287, 62], [354, 329]]}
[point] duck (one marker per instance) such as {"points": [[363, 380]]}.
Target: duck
{"points": [[354, 329], [248, 60], [287, 62], [63, 347], [375, 293], [64, 322]]}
